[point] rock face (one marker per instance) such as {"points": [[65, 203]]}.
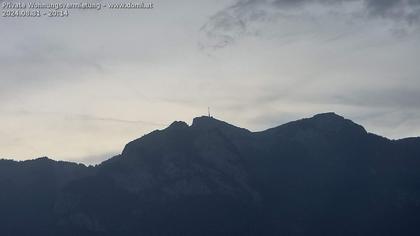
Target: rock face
{"points": [[319, 176]]}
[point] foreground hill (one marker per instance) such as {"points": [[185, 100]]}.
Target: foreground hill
{"points": [[319, 176]]}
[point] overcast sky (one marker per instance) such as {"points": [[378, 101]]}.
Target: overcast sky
{"points": [[79, 88]]}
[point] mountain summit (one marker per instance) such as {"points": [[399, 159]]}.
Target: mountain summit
{"points": [[323, 175]]}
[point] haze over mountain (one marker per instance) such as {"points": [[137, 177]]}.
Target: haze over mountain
{"points": [[323, 175]]}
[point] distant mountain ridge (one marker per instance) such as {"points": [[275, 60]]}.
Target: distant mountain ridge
{"points": [[324, 175]]}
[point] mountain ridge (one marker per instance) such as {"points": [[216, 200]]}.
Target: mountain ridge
{"points": [[183, 124], [323, 175]]}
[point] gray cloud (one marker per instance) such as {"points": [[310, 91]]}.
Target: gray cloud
{"points": [[246, 16], [396, 98], [87, 117], [40, 62], [408, 10], [98, 80]]}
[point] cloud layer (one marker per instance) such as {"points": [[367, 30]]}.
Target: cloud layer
{"points": [[79, 87], [247, 17]]}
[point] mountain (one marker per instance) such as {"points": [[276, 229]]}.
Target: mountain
{"points": [[323, 175]]}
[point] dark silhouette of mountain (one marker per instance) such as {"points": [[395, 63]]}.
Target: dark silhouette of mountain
{"points": [[319, 176]]}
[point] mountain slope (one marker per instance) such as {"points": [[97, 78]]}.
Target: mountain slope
{"points": [[28, 191], [319, 176]]}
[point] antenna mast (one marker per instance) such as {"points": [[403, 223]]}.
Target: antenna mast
{"points": [[208, 109]]}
